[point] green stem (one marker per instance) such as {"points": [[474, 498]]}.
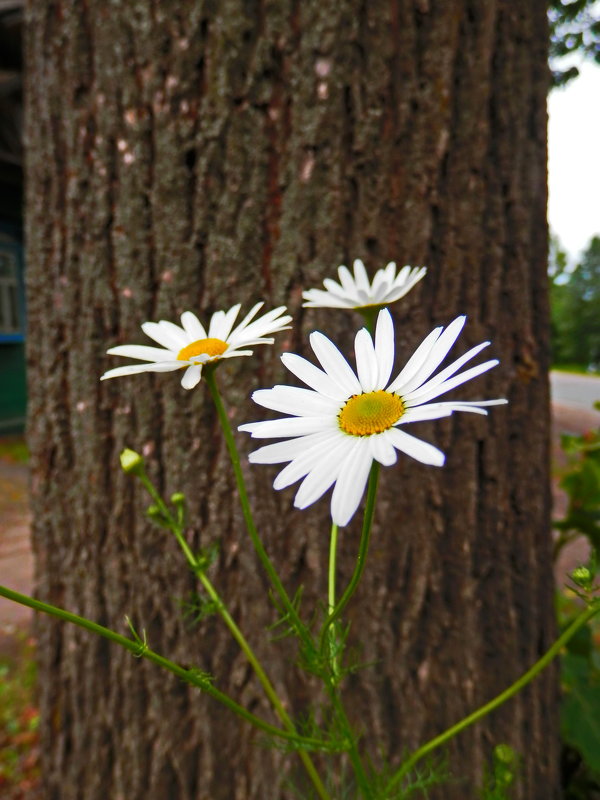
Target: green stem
{"points": [[543, 662], [174, 525], [362, 554], [262, 677], [142, 651], [235, 632], [292, 613], [331, 598]]}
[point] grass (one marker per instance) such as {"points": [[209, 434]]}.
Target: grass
{"points": [[19, 720], [576, 369], [14, 449]]}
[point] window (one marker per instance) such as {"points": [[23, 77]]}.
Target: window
{"points": [[9, 298]]}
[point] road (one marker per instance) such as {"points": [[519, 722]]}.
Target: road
{"points": [[575, 391]]}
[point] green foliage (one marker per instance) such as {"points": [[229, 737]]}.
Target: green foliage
{"points": [[581, 483], [19, 720], [580, 709], [580, 664], [501, 777], [575, 307], [574, 29], [14, 449]]}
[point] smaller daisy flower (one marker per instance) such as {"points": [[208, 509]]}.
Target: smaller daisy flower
{"points": [[348, 419], [356, 292], [192, 346]]}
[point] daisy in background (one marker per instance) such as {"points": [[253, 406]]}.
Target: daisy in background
{"points": [[191, 346], [356, 292], [345, 420]]}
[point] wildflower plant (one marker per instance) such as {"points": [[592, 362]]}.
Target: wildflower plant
{"points": [[336, 432]]}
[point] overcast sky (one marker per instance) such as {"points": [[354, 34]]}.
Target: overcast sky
{"points": [[574, 160]]}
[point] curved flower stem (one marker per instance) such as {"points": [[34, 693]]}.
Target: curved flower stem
{"points": [[543, 662], [247, 512], [262, 677], [362, 554], [143, 651], [239, 637]]}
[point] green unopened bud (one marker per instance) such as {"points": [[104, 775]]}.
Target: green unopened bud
{"points": [[178, 499], [131, 461], [504, 754], [582, 576], [154, 512]]}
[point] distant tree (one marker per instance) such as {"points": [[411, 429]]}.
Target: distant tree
{"points": [[574, 28], [575, 300]]}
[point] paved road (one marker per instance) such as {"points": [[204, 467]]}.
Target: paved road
{"points": [[575, 391]]}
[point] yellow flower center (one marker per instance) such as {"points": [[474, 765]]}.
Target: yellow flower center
{"points": [[212, 347], [372, 412]]}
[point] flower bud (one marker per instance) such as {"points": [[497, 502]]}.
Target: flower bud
{"points": [[178, 499], [582, 576], [131, 461], [504, 754]]}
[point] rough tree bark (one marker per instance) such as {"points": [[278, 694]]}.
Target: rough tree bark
{"points": [[190, 155]]}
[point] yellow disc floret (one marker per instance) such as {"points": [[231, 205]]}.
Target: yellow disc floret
{"points": [[211, 347], [372, 412]]}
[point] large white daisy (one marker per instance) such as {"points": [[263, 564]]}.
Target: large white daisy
{"points": [[191, 346], [345, 420], [355, 291]]}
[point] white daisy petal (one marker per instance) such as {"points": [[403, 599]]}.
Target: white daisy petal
{"points": [[384, 347], [366, 362], [334, 288], [216, 324], [406, 279], [134, 369], [382, 449], [312, 376], [191, 376], [318, 299], [361, 278], [295, 401], [416, 448], [267, 324], [173, 330], [288, 426], [143, 353], [351, 482], [287, 450], [193, 327], [448, 371], [423, 413], [346, 280], [452, 383], [164, 336], [247, 319], [436, 355], [322, 475], [415, 362], [334, 363], [303, 463]]}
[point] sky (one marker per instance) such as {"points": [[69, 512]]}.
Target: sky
{"points": [[574, 160]]}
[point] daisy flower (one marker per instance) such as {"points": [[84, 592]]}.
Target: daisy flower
{"points": [[356, 292], [345, 420], [190, 346]]}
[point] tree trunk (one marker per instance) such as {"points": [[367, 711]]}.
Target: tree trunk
{"points": [[191, 155]]}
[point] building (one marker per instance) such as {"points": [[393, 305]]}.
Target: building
{"points": [[12, 279]]}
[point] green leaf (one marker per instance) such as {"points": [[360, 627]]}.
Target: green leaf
{"points": [[580, 709]]}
